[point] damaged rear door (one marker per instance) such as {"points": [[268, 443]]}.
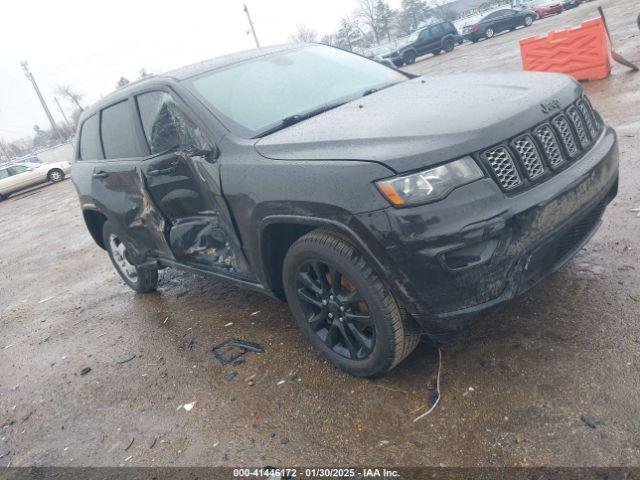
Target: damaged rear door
{"points": [[182, 176]]}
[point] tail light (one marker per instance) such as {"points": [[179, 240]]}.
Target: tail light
{"points": [[474, 27]]}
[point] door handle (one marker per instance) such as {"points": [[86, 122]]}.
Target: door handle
{"points": [[161, 171], [100, 174]]}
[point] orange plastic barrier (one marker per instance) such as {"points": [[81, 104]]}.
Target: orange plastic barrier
{"points": [[582, 52]]}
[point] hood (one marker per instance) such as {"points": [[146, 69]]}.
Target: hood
{"points": [[424, 121]]}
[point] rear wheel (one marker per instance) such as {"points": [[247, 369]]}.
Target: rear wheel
{"points": [[343, 307], [55, 175], [489, 32], [409, 57], [140, 279], [448, 45]]}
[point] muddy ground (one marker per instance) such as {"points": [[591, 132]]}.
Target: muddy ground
{"points": [[514, 387]]}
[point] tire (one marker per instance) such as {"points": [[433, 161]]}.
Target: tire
{"points": [[409, 57], [436, 52], [528, 21], [474, 39], [139, 279], [489, 33], [398, 63], [313, 266], [448, 45], [55, 175]]}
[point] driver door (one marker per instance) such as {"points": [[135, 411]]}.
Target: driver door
{"points": [[182, 177]]}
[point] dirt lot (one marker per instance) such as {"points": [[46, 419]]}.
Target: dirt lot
{"points": [[514, 386]]}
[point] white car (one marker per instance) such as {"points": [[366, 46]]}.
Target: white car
{"points": [[14, 178]]}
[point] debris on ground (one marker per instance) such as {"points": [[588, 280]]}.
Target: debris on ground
{"points": [[152, 443], [284, 440], [228, 324], [230, 376], [250, 380], [588, 422], [280, 382], [254, 313], [519, 438], [437, 392], [125, 360], [231, 350], [8, 346], [44, 300], [187, 406], [636, 210], [133, 439], [191, 345], [85, 370]]}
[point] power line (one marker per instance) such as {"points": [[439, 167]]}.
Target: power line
{"points": [[29, 75]]}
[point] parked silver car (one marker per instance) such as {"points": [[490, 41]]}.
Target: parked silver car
{"points": [[14, 178]]}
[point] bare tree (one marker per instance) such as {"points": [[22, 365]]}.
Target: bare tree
{"points": [[366, 11], [67, 92], [304, 34]]}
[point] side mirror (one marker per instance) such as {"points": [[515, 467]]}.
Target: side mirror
{"points": [[209, 152]]}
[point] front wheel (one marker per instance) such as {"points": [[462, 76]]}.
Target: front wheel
{"points": [[55, 175], [528, 20], [343, 308], [409, 57], [489, 32], [140, 279]]}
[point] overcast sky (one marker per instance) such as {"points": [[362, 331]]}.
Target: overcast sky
{"points": [[90, 45]]}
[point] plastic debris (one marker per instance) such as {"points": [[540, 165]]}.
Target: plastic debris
{"points": [[229, 324], [280, 382], [230, 376], [133, 439], [588, 422], [125, 360], [187, 406], [85, 370], [191, 345], [46, 299], [8, 346], [284, 440], [231, 350], [255, 313]]}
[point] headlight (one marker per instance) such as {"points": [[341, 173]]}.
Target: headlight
{"points": [[429, 185]]}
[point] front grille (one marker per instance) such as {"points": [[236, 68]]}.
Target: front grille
{"points": [[533, 156]]}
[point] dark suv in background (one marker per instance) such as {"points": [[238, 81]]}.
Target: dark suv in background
{"points": [[498, 21], [368, 199], [435, 39]]}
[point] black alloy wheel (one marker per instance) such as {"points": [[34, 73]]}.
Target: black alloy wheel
{"points": [[335, 310]]}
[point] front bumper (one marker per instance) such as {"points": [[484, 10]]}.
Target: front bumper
{"points": [[477, 248]]}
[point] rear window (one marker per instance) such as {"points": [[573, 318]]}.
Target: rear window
{"points": [[116, 129], [89, 140]]}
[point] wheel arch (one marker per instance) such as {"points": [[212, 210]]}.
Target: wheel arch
{"points": [[94, 220], [278, 233]]}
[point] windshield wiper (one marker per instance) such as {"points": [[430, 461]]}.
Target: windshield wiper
{"points": [[293, 119]]}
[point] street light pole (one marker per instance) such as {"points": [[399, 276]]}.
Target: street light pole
{"points": [[253, 30], [29, 75]]}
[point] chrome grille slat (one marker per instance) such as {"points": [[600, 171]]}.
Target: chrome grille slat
{"points": [[529, 155], [566, 135], [588, 118], [550, 145], [578, 124], [503, 166]]}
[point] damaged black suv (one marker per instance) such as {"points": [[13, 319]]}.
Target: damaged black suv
{"points": [[377, 204]]}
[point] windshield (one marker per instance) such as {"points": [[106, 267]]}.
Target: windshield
{"points": [[255, 96]]}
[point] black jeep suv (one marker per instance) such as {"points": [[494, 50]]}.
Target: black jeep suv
{"points": [[435, 38], [370, 200]]}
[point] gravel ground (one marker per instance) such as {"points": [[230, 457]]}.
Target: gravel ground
{"points": [[514, 386]]}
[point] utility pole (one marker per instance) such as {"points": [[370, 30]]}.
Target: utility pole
{"points": [[253, 30], [61, 111], [29, 75]]}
